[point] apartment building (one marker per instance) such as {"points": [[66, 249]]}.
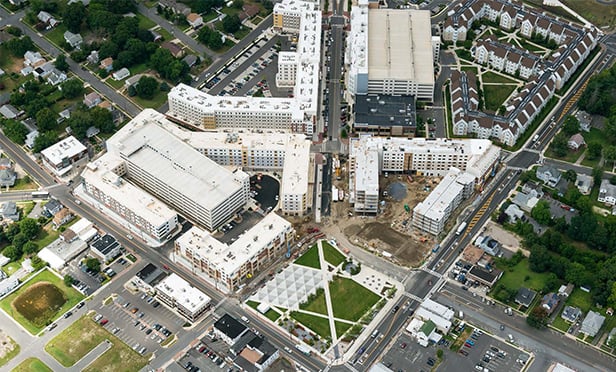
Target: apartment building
{"points": [[176, 173], [146, 213], [63, 157], [229, 265], [364, 180], [266, 151], [287, 69], [179, 295], [390, 51]]}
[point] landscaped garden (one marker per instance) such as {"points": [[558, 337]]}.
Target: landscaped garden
{"points": [[331, 254], [350, 300], [37, 303], [310, 258]]}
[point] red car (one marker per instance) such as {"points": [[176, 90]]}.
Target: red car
{"points": [[104, 321], [201, 349], [403, 345], [165, 267]]}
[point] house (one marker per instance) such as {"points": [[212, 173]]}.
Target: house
{"points": [[607, 192], [526, 202], [194, 20], [254, 352], [106, 64], [514, 213], [229, 329], [550, 302], [5, 98], [33, 59], [84, 2], [490, 245], [17, 2], [62, 217], [175, 50], [424, 332], [26, 71], [106, 247], [132, 81], [10, 112], [92, 99], [610, 336], [576, 141], [56, 77], [52, 207], [43, 70], [175, 6], [248, 11], [30, 137], [549, 175], [93, 57], [6, 163], [525, 296], [190, 60], [121, 74], [485, 277], [7, 178], [9, 211], [2, 72], [565, 290], [585, 120], [571, 314], [73, 40], [156, 36], [592, 323], [47, 19], [584, 183], [92, 131]]}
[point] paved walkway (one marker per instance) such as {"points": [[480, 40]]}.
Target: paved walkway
{"points": [[328, 300], [92, 355]]}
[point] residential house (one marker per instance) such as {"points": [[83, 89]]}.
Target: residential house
{"points": [[26, 71], [525, 296], [483, 276], [175, 50], [47, 19], [565, 290], [132, 81], [254, 352], [584, 183], [9, 111], [30, 137], [52, 207], [106, 64], [607, 192], [7, 177], [190, 60], [74, 40], [6, 163], [106, 247], [92, 99], [576, 141], [526, 202], [56, 77], [17, 2], [592, 324], [194, 20], [490, 245], [93, 57], [571, 314], [156, 36], [248, 11], [549, 175], [92, 131], [514, 213], [423, 332], [62, 217], [9, 211], [84, 2], [550, 302], [43, 70], [175, 6], [33, 59], [5, 98], [585, 120], [121, 74], [610, 336], [229, 329]]}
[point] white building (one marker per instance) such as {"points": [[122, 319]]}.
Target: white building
{"points": [[364, 185], [59, 252], [390, 51], [268, 151], [137, 207], [287, 69], [431, 214], [440, 315], [176, 173], [228, 265], [178, 294], [62, 157]]}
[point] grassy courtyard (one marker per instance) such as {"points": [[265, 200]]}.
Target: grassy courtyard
{"points": [[319, 325], [316, 304], [31, 365], [310, 258], [331, 254], [492, 77], [496, 95], [350, 300], [37, 303]]}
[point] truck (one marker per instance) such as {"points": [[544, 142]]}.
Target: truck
{"points": [[304, 349], [461, 228], [334, 194]]}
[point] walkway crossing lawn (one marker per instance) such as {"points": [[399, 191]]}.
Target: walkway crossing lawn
{"points": [[317, 305], [310, 258], [515, 277], [332, 255], [491, 77], [350, 300], [317, 324], [76, 341], [495, 95], [119, 358], [32, 365], [342, 327]]}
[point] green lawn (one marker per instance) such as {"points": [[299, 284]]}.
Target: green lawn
{"points": [[32, 365], [581, 299], [76, 341], [495, 95], [492, 77], [242, 33], [72, 298], [209, 16], [24, 184], [119, 358], [570, 157], [515, 277], [332, 255], [530, 47], [469, 69], [158, 100], [317, 324], [310, 258], [253, 304], [342, 327], [560, 324], [11, 354], [595, 135], [317, 305], [230, 10], [350, 300], [56, 36], [46, 236], [145, 22], [11, 267], [272, 315]]}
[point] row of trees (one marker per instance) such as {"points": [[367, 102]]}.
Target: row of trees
{"points": [[20, 236]]}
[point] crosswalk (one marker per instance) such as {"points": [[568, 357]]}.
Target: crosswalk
{"points": [[413, 297]]}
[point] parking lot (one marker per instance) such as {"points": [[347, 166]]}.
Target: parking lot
{"points": [[89, 282], [134, 319], [206, 356], [407, 355]]}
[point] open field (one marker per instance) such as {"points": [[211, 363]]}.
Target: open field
{"points": [[310, 258], [42, 281], [119, 358], [521, 276], [8, 350], [331, 254], [350, 300], [31, 365], [76, 341]]}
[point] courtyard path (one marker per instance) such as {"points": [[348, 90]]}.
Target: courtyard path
{"points": [[328, 301]]}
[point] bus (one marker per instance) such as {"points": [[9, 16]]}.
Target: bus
{"points": [[461, 228], [40, 195], [304, 349]]}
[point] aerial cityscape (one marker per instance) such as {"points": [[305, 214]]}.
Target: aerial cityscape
{"points": [[305, 185]]}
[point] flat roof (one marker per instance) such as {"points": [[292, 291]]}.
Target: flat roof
{"points": [[105, 244], [100, 174], [384, 110], [438, 202], [150, 147], [229, 258], [367, 170], [183, 293], [400, 45], [229, 326], [66, 148]]}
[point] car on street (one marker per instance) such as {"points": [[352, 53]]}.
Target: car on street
{"points": [[80, 305], [67, 314]]}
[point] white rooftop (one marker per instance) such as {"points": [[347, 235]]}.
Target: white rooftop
{"points": [[436, 308], [144, 142], [230, 258], [436, 205], [81, 225], [100, 174], [358, 38], [367, 169], [183, 293], [66, 148]]}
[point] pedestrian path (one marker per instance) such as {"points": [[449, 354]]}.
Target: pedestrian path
{"points": [[328, 301]]}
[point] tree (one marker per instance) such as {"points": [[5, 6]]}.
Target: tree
{"points": [[594, 150], [570, 175], [73, 16], [37, 263], [541, 212], [79, 122], [538, 317], [61, 63], [146, 87], [93, 264], [29, 227], [578, 274], [238, 4], [45, 119], [19, 240], [231, 24], [102, 119], [12, 252], [68, 280], [597, 175], [571, 125], [15, 131], [609, 153], [559, 145], [44, 140], [72, 88], [30, 248], [19, 46]]}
